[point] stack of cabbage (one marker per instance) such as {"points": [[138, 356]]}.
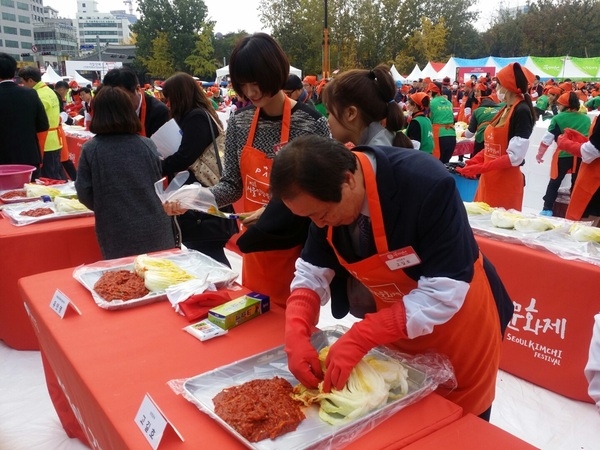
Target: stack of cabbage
{"points": [[509, 220], [369, 387], [69, 205], [477, 208], [584, 233], [159, 273], [37, 190]]}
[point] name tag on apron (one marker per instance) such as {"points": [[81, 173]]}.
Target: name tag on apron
{"points": [[401, 258]]}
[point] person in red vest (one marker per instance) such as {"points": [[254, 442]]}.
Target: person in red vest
{"points": [[506, 140]]}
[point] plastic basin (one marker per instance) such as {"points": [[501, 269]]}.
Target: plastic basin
{"points": [[14, 176]]}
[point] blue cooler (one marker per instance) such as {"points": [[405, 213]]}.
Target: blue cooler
{"points": [[466, 187]]}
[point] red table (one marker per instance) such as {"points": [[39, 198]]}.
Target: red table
{"points": [[470, 433], [106, 361], [547, 341], [74, 143], [32, 249]]}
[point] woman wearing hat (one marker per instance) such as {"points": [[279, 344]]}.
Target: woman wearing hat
{"points": [[548, 101], [506, 140], [562, 161], [419, 128], [468, 102], [441, 115]]}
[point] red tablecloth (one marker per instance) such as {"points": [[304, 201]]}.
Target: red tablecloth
{"points": [[547, 341], [75, 144], [470, 433], [32, 249], [107, 361]]}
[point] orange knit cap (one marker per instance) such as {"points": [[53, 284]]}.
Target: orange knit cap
{"points": [[563, 99], [417, 98], [506, 77], [566, 86]]}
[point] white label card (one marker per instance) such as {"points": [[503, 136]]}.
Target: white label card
{"points": [[152, 422], [60, 302]]}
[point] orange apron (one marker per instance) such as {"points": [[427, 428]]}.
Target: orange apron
{"points": [[461, 110], [143, 115], [436, 127], [43, 135], [460, 338], [554, 165], [271, 272], [586, 185], [502, 187]]}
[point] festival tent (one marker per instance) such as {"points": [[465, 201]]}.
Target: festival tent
{"points": [[396, 75], [50, 76], [545, 67], [431, 70], [415, 74], [81, 81], [449, 69]]}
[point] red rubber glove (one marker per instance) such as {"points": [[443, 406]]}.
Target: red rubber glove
{"points": [[541, 151], [301, 315], [477, 159], [384, 326], [470, 170], [570, 141]]}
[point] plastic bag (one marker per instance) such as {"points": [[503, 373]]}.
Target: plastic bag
{"points": [[190, 196]]}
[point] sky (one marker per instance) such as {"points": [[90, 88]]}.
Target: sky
{"points": [[234, 15]]}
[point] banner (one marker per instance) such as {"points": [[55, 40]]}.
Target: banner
{"points": [[590, 66], [551, 65]]}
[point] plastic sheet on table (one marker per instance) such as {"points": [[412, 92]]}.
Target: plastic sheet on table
{"points": [[425, 373]]}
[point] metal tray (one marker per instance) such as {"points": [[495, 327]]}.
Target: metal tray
{"points": [[312, 433], [13, 213], [194, 262], [66, 190]]}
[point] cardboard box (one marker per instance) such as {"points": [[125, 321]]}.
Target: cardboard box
{"points": [[239, 310]]}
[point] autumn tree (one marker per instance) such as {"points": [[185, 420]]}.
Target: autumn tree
{"points": [[160, 62]]}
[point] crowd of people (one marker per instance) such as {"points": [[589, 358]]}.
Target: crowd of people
{"points": [[344, 191]]}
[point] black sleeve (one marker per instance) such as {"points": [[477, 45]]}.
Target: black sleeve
{"points": [[473, 124], [276, 229], [595, 135], [414, 130], [521, 122], [157, 115], [196, 138]]}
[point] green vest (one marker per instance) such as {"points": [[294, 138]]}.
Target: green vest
{"points": [[593, 103], [52, 108], [484, 115], [426, 134], [442, 113], [542, 102], [570, 119]]}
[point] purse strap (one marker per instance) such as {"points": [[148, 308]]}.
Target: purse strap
{"points": [[214, 141]]}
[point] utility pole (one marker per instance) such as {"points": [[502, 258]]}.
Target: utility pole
{"points": [[325, 67]]}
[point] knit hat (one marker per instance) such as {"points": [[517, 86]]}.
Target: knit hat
{"points": [[506, 77], [417, 98], [310, 79], [563, 99]]}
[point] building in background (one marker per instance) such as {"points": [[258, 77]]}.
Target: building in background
{"points": [[96, 29], [17, 19], [56, 40]]}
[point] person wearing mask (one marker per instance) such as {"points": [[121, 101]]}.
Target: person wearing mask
{"points": [[562, 162], [419, 130], [294, 89], [259, 69], [50, 141], [376, 217], [585, 197], [115, 179], [152, 112], [481, 118], [198, 122], [506, 140], [441, 115], [358, 102]]}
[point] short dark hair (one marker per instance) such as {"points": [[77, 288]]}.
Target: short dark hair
{"points": [[258, 59], [123, 77], [8, 66], [114, 112], [293, 83], [61, 84], [313, 164], [30, 73]]}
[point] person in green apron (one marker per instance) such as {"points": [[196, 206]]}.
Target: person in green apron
{"points": [[419, 128]]}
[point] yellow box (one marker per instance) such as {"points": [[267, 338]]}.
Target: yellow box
{"points": [[239, 310]]}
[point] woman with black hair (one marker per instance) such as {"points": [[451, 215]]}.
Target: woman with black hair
{"points": [[506, 140], [358, 102], [562, 162]]}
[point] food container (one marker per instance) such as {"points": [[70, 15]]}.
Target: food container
{"points": [[14, 176], [239, 310], [192, 261], [312, 433], [13, 213]]}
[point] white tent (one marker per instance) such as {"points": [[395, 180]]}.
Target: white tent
{"points": [[429, 71], [81, 81], [449, 70], [535, 69], [50, 76], [224, 71], [570, 70], [415, 74], [396, 75]]}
